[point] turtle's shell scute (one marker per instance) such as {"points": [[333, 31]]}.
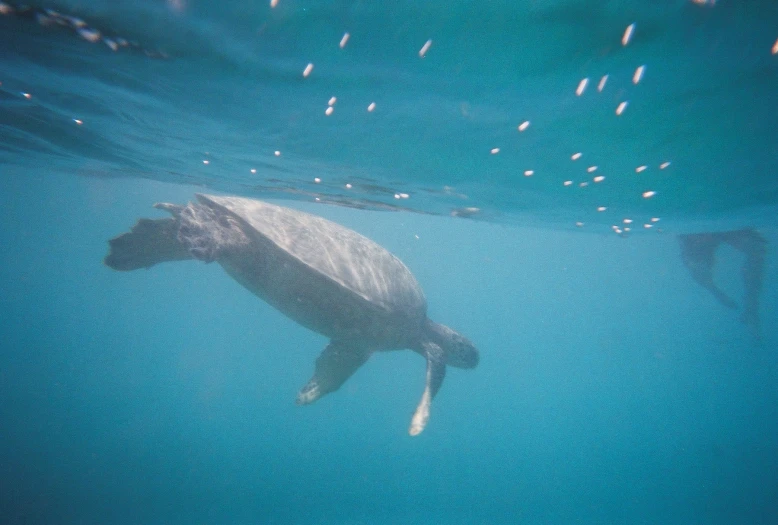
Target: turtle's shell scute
{"points": [[346, 257]]}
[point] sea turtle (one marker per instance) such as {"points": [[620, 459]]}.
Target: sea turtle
{"points": [[322, 275]]}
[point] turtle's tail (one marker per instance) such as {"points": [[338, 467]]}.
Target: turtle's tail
{"points": [[151, 241]]}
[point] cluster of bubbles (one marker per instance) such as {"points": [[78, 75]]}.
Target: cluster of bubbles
{"points": [[622, 229], [623, 225]]}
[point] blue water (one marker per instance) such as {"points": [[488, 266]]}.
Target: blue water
{"points": [[612, 388]]}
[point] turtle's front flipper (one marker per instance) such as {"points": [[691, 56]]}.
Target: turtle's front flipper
{"points": [[436, 371], [150, 241], [335, 364]]}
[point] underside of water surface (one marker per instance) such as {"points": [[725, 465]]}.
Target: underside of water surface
{"points": [[560, 113]]}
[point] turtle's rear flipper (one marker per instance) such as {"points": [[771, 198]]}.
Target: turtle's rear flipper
{"points": [[151, 241]]}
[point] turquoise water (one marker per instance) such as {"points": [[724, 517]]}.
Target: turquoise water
{"points": [[612, 388]]}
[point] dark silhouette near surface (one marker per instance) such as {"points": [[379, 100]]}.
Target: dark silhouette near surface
{"points": [[698, 252]]}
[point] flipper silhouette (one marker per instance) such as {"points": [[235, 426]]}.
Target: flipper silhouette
{"points": [[698, 252]]}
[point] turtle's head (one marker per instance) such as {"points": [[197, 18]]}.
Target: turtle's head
{"points": [[457, 349]]}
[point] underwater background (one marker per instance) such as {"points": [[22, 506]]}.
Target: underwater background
{"points": [[612, 387]]}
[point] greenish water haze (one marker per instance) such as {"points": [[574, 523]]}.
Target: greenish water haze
{"points": [[611, 387]]}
